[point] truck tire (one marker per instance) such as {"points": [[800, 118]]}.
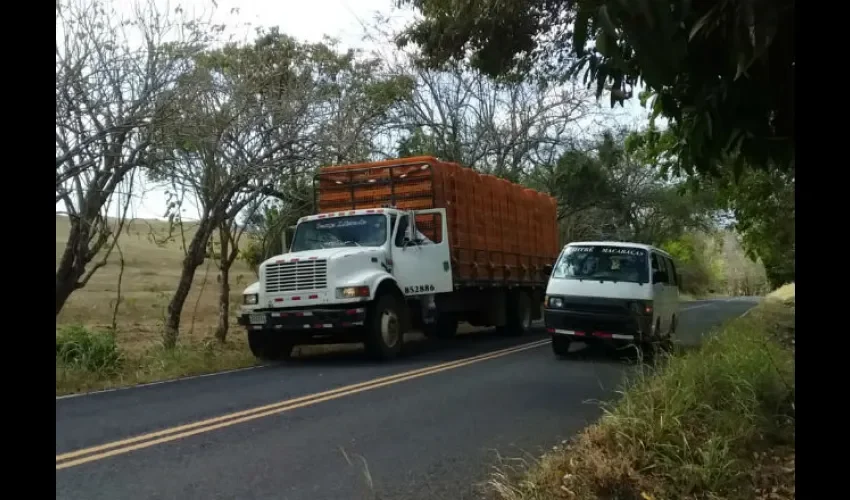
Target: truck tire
{"points": [[561, 346], [384, 328], [444, 327], [268, 345], [518, 314]]}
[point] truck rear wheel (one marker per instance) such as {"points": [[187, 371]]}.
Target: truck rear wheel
{"points": [[518, 314], [268, 345], [384, 329], [443, 327]]}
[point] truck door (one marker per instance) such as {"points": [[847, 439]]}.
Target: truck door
{"points": [[420, 252]]}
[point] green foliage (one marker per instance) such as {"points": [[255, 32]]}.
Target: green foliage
{"points": [[722, 72], [420, 143], [83, 349], [693, 260], [764, 206], [267, 228], [610, 189]]}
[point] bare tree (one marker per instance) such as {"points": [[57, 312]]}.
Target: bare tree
{"points": [[248, 115], [114, 77]]}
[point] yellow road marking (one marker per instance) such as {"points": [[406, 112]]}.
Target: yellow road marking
{"points": [[153, 438]]}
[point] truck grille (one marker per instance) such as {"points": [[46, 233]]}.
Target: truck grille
{"points": [[296, 276]]}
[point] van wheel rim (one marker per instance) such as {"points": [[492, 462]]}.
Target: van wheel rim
{"points": [[389, 328]]}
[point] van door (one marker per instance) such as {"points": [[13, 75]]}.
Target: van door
{"points": [[673, 289], [660, 292]]}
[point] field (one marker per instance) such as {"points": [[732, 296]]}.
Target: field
{"points": [[151, 272]]}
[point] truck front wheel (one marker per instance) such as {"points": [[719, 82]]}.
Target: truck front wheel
{"points": [[384, 329], [269, 345]]}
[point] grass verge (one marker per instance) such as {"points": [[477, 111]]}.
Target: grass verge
{"points": [[88, 360], [715, 423]]}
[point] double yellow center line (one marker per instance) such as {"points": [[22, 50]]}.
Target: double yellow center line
{"points": [[100, 452]]}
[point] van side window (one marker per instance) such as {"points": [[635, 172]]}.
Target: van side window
{"points": [[657, 266], [671, 271]]}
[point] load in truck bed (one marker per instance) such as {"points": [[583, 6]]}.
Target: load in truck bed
{"points": [[499, 232]]}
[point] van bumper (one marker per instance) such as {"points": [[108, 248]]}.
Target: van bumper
{"points": [[595, 326]]}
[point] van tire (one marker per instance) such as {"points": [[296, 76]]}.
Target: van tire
{"points": [[561, 347], [443, 327], [385, 328], [268, 345], [518, 314]]}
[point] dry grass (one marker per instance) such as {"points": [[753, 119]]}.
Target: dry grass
{"points": [[133, 353], [717, 423], [784, 293], [151, 271], [151, 274]]}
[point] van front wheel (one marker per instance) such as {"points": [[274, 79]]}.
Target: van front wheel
{"points": [[561, 346]]}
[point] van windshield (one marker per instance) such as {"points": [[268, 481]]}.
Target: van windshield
{"points": [[603, 263], [353, 231]]}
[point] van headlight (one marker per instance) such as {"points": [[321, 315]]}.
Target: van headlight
{"points": [[554, 302], [250, 299], [641, 307]]}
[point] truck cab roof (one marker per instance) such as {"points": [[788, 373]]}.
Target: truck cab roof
{"points": [[346, 213]]}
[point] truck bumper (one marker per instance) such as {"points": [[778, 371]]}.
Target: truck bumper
{"points": [[594, 326], [304, 325]]}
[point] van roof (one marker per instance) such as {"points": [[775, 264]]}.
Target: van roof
{"points": [[619, 244]]}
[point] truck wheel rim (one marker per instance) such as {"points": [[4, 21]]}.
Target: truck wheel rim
{"points": [[389, 328]]}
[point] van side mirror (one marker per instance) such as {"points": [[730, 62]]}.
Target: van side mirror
{"points": [[660, 277], [547, 270]]}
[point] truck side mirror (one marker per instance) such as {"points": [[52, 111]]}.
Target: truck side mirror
{"points": [[288, 234]]}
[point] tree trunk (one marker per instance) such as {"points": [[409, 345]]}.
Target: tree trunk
{"points": [[223, 306], [224, 288], [71, 265], [66, 283], [194, 258]]}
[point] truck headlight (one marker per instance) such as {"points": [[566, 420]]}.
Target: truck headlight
{"points": [[250, 299], [352, 292], [554, 302]]}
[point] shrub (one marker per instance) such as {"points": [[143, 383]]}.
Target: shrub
{"points": [[93, 351]]}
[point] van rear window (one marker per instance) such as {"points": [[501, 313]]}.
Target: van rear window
{"points": [[603, 263]]}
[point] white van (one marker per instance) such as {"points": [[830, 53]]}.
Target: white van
{"points": [[618, 292]]}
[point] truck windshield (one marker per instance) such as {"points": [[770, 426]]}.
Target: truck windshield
{"points": [[353, 231], [603, 263]]}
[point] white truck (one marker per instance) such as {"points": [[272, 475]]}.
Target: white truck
{"points": [[370, 274]]}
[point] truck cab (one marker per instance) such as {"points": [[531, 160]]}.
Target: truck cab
{"points": [[361, 275]]}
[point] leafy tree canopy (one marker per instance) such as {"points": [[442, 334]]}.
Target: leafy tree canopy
{"points": [[722, 71]]}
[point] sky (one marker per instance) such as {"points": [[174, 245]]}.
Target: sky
{"points": [[307, 20]]}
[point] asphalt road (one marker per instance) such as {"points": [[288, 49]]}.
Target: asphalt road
{"points": [[427, 426]]}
